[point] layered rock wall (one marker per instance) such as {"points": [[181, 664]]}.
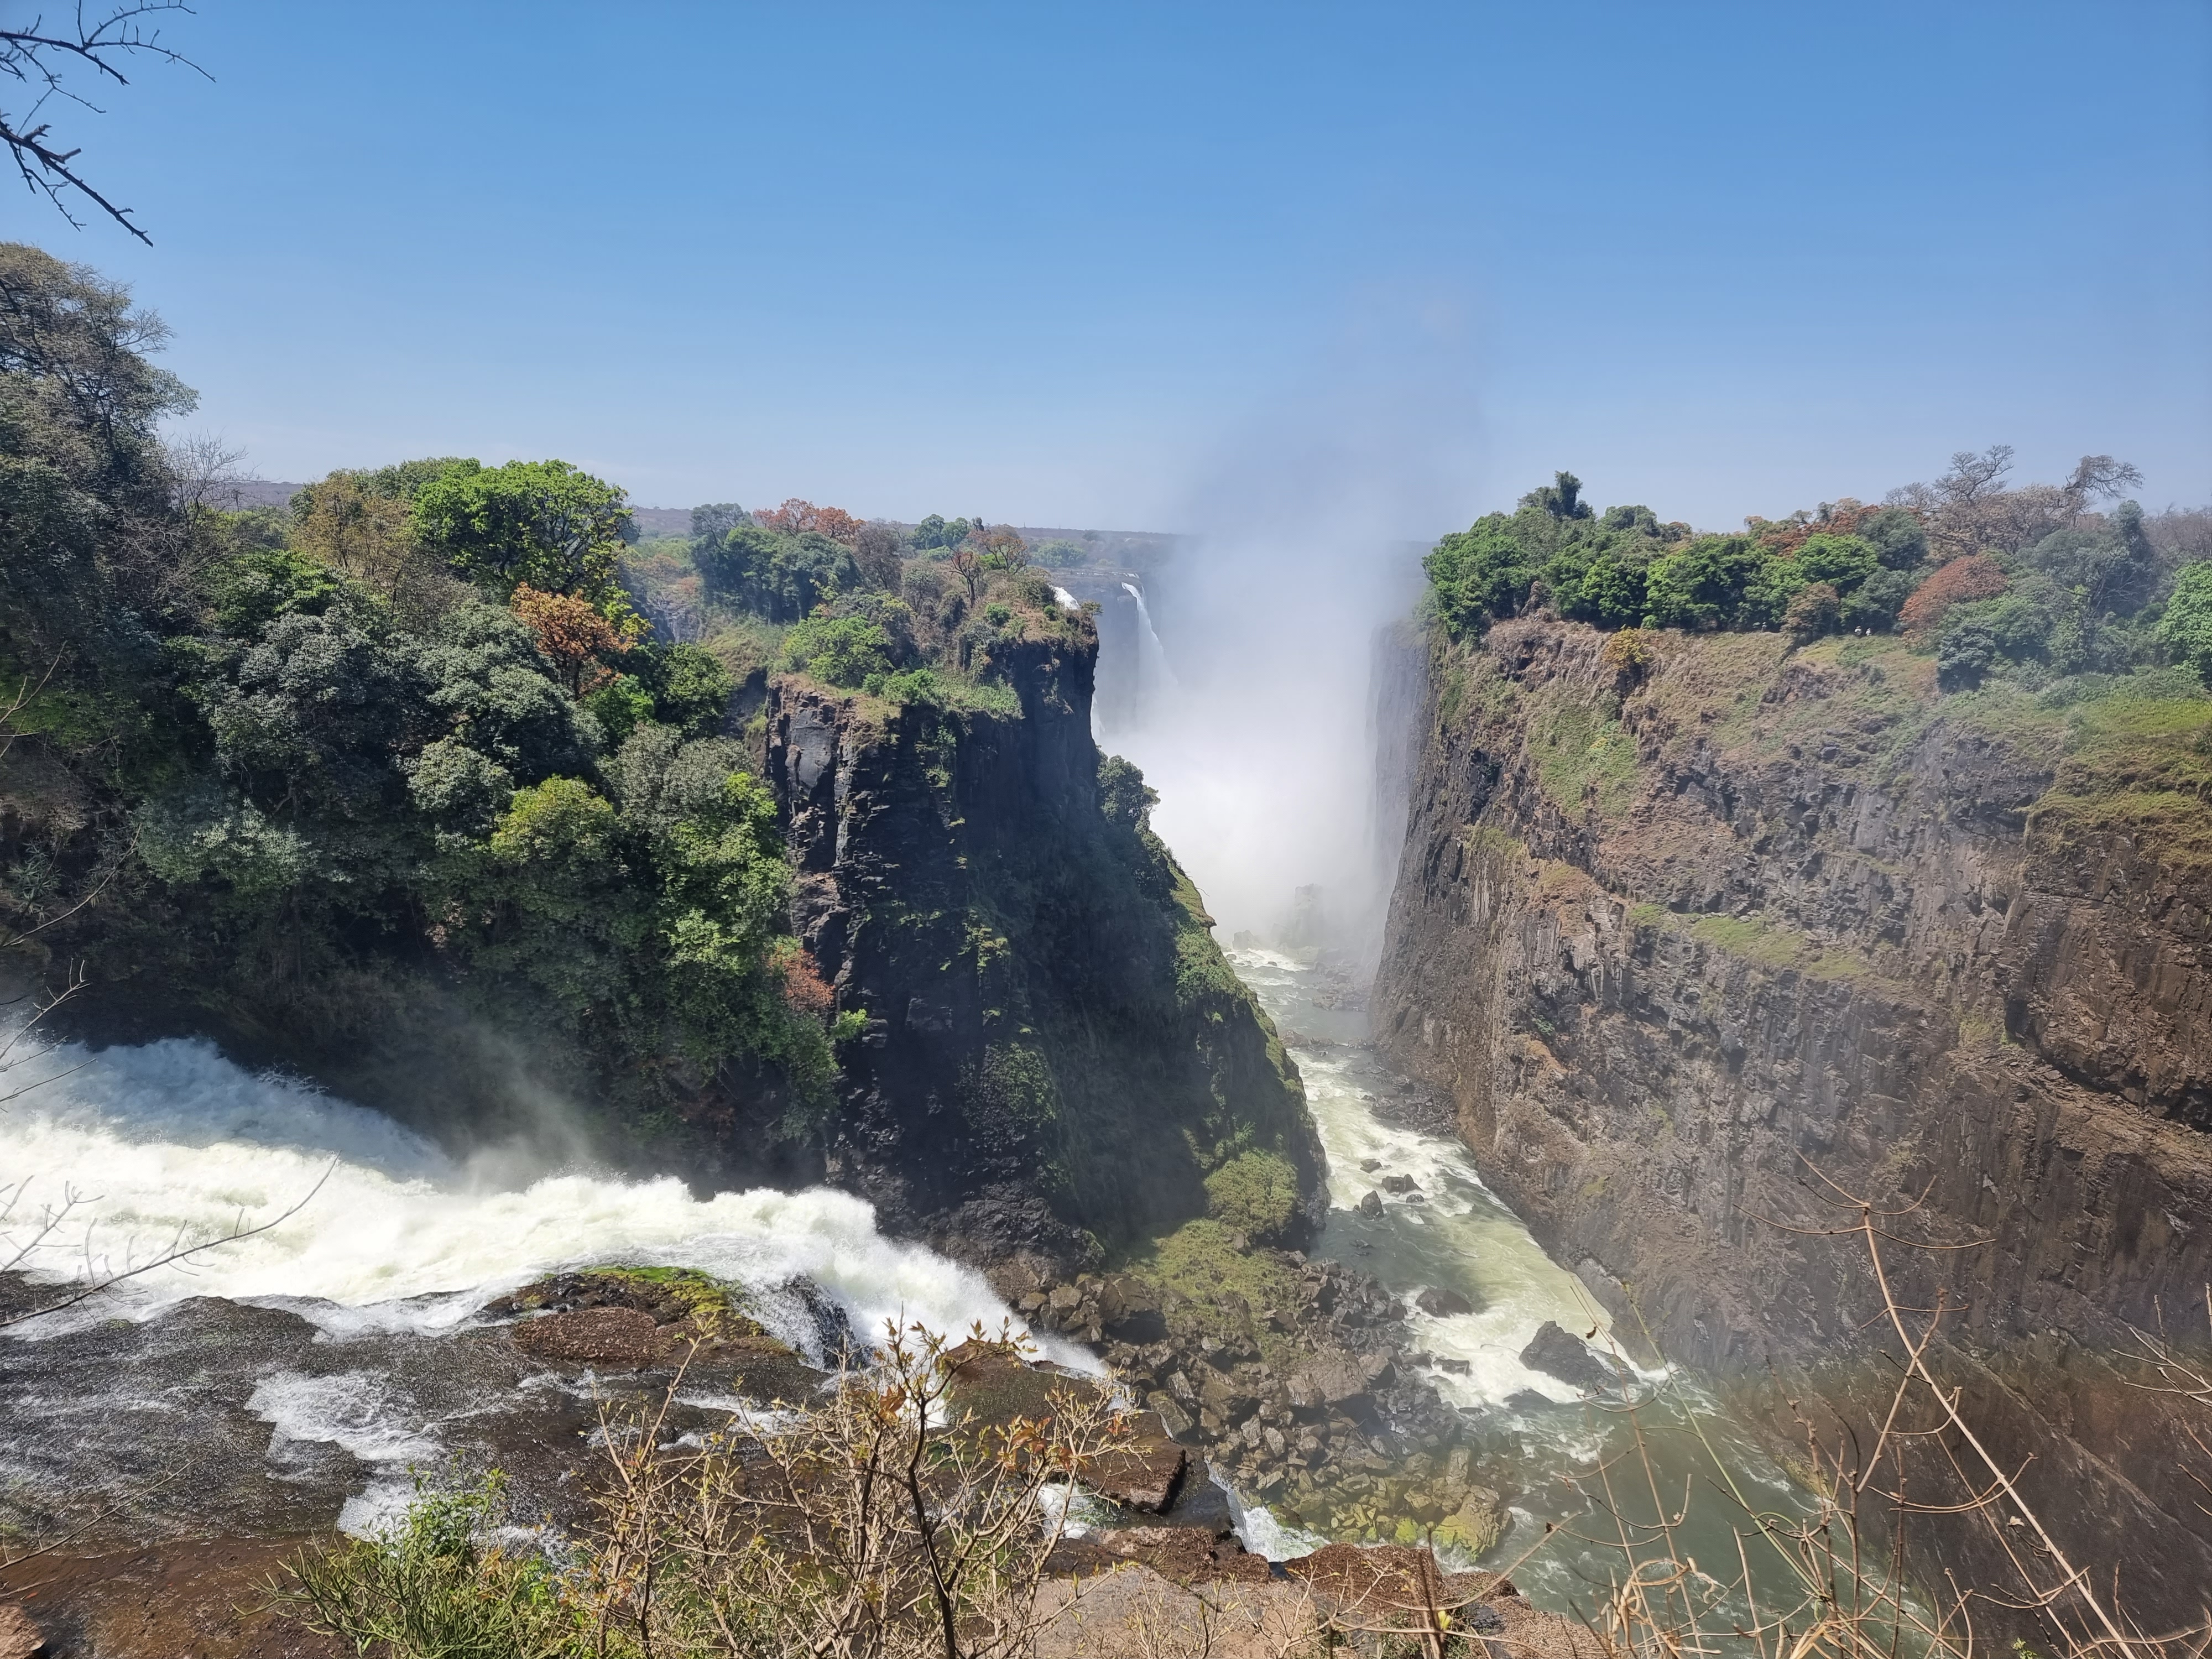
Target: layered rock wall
{"points": [[1056, 1052], [1697, 949]]}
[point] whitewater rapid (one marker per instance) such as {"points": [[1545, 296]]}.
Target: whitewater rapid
{"points": [[172, 1142]]}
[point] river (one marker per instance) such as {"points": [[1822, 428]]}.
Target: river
{"points": [[304, 1376], [1559, 1450]]}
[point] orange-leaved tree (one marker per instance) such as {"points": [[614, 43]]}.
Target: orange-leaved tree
{"points": [[573, 635], [1976, 577]]}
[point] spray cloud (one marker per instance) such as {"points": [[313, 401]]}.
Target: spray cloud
{"points": [[1307, 530]]}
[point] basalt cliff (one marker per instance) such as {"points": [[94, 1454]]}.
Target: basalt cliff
{"points": [[1704, 947], [1056, 1054]]}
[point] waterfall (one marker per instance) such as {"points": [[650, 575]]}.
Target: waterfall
{"points": [[173, 1140], [1153, 674]]}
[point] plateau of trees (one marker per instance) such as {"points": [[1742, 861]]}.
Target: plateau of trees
{"points": [[302, 770], [2038, 580]]}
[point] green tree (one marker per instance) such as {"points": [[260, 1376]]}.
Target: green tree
{"points": [[1897, 536], [1479, 574], [1841, 562], [839, 650], [545, 524], [1702, 585], [2185, 629]]}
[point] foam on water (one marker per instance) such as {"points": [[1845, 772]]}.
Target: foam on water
{"points": [[171, 1140], [1470, 1240]]}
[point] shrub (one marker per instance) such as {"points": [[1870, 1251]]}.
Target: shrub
{"points": [[1255, 1192], [1123, 795], [1841, 562], [1774, 585], [1479, 574], [1702, 585], [428, 1589], [1629, 654]]}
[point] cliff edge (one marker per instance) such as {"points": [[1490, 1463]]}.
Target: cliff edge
{"points": [[1687, 938], [1057, 1056]]}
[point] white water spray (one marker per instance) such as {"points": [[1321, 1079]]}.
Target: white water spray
{"points": [[171, 1141]]}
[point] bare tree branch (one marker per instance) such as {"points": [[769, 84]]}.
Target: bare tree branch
{"points": [[38, 60]]}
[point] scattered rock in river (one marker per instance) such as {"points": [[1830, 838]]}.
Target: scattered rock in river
{"points": [[1370, 1203], [1560, 1353], [1439, 1302], [1399, 1183]]}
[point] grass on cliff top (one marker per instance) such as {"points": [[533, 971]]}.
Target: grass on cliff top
{"points": [[2138, 763], [1200, 1262]]}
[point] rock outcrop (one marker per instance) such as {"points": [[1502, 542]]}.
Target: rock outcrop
{"points": [[1685, 943], [1056, 1054]]}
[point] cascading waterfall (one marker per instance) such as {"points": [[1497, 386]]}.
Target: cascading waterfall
{"points": [[171, 1139], [1154, 677]]}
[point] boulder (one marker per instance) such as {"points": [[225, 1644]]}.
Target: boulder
{"points": [[1399, 1183], [19, 1637], [1332, 1377], [1144, 1472], [599, 1336], [1440, 1303], [1560, 1353], [1370, 1203]]}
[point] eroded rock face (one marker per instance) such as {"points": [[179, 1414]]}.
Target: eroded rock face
{"points": [[1683, 950], [1051, 1028]]}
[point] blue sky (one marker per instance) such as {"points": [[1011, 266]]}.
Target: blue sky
{"points": [[1081, 265]]}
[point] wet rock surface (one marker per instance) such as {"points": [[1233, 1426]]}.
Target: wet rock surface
{"points": [[1336, 1432], [1560, 1353]]}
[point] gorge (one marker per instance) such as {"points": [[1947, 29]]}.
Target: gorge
{"points": [[585, 949]]}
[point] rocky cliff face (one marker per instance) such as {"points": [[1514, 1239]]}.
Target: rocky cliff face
{"points": [[1057, 1054], [1685, 943]]}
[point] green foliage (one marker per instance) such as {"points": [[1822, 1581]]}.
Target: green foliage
{"points": [[1841, 562], [619, 705], [842, 651], [780, 576], [1815, 610], [2113, 570], [934, 532], [2185, 629], [1897, 536], [433, 1587], [543, 524], [250, 590], [1771, 588], [691, 690], [1478, 574], [1874, 603], [2034, 620], [1255, 1192], [1703, 585], [1123, 794]]}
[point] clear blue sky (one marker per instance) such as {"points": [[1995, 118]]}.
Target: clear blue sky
{"points": [[1078, 265]]}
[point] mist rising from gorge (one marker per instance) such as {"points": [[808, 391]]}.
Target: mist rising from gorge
{"points": [[1305, 536]]}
